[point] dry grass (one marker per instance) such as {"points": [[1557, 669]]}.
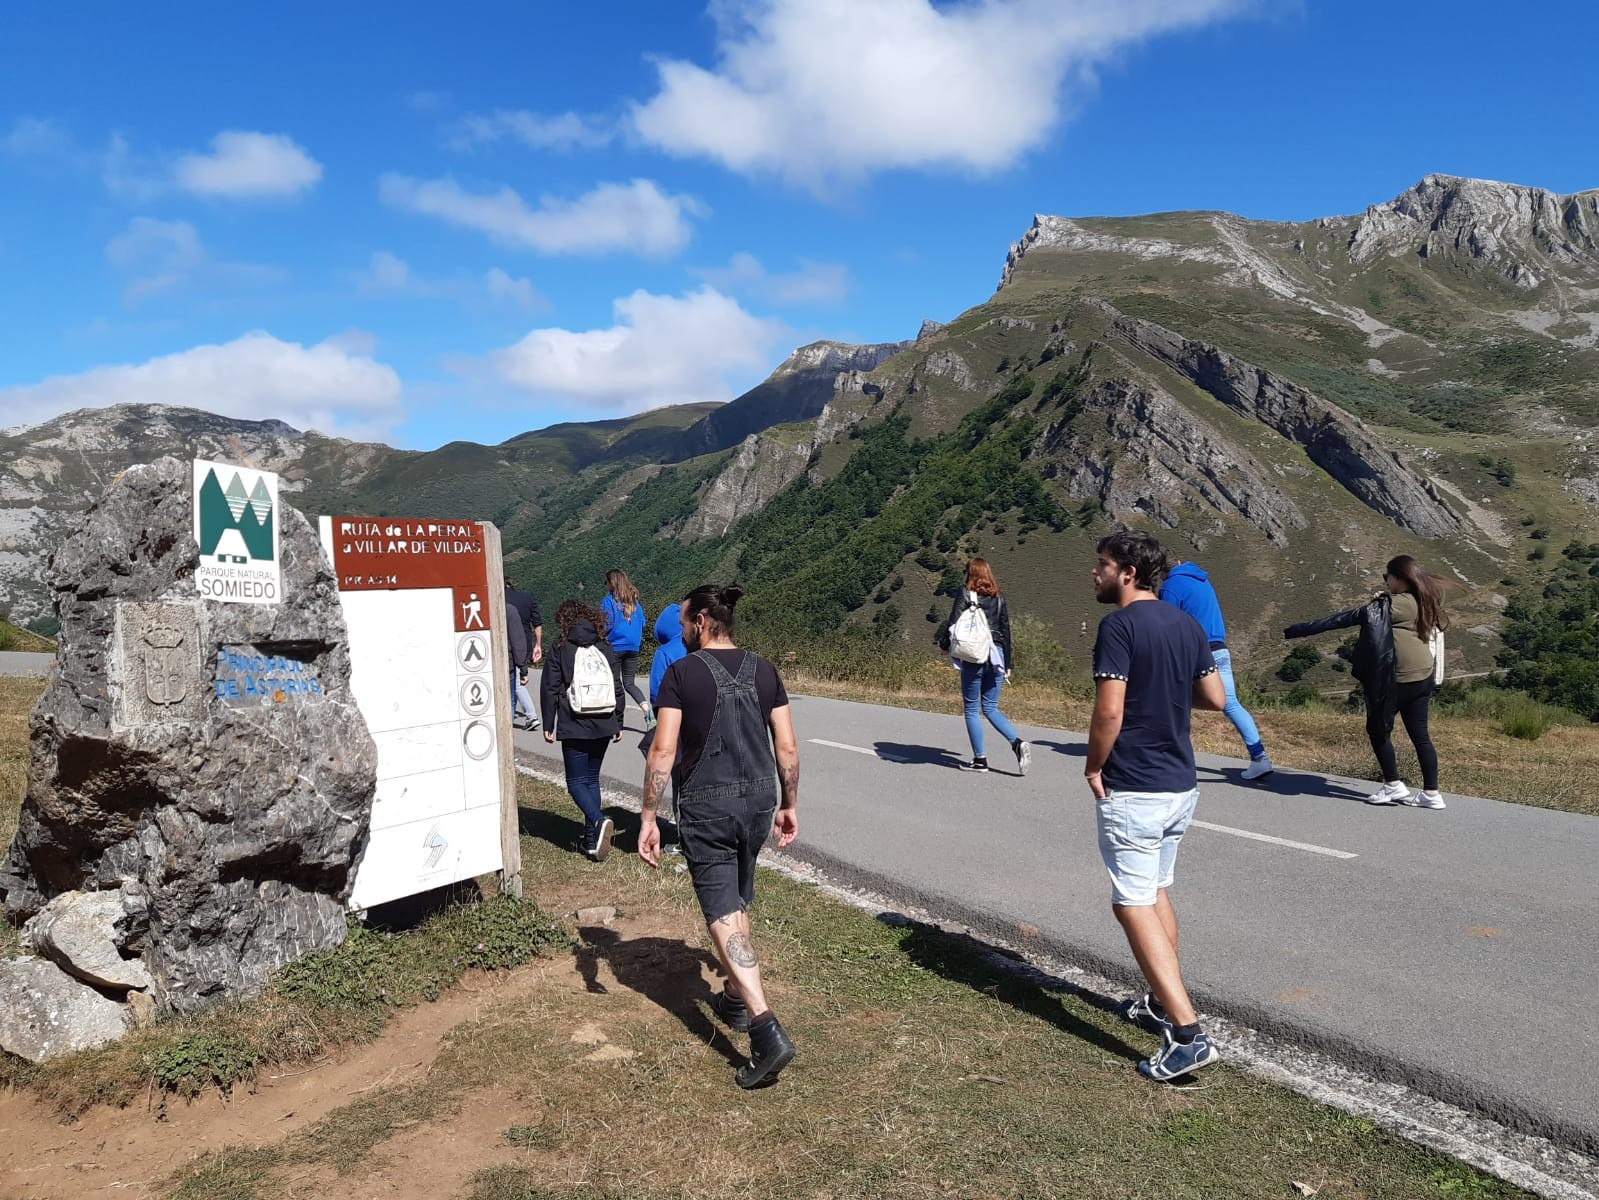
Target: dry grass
{"points": [[923, 1071], [1558, 770]]}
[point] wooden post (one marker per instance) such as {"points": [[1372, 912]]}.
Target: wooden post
{"points": [[510, 823]]}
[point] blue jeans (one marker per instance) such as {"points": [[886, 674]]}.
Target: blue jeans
{"points": [[520, 696], [1236, 712], [980, 684], [583, 757]]}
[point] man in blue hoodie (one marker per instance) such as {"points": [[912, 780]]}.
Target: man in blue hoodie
{"points": [[669, 633], [1188, 587]]}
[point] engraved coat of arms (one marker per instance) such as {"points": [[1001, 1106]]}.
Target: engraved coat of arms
{"points": [[166, 673]]}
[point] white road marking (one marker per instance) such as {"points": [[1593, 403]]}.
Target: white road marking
{"points": [[1275, 841], [858, 750]]}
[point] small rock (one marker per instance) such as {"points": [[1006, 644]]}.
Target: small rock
{"points": [[607, 1054], [141, 1010], [45, 1012], [595, 916], [83, 932]]}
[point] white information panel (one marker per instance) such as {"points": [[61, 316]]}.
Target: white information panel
{"points": [[426, 687]]}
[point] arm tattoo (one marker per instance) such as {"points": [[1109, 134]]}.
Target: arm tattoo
{"points": [[789, 777], [741, 950], [655, 784]]}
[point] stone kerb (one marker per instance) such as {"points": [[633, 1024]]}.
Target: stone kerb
{"points": [[202, 762]]}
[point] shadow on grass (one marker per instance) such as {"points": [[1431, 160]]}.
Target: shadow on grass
{"points": [[961, 958], [665, 971]]}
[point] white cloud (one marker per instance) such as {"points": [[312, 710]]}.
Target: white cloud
{"points": [[38, 138], [635, 216], [163, 256], [825, 91], [388, 275], [326, 387], [661, 350], [248, 166], [564, 131], [812, 283]]}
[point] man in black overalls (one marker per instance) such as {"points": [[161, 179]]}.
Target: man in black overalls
{"points": [[724, 733]]}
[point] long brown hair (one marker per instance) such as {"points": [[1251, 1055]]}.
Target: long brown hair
{"points": [[1428, 589], [569, 612], [621, 587], [980, 578]]}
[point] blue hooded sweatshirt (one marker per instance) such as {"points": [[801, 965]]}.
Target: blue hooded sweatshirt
{"points": [[1188, 587], [669, 632], [626, 637]]}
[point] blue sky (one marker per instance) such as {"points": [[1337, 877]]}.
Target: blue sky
{"points": [[394, 223]]}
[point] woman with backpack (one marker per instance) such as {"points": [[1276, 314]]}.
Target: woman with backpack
{"points": [[581, 695], [977, 637], [1397, 663], [626, 624]]}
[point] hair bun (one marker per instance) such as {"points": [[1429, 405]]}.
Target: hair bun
{"points": [[731, 594]]}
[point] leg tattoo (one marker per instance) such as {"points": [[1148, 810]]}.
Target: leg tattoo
{"points": [[741, 950]]}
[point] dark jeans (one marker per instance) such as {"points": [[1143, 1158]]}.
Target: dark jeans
{"points": [[1411, 705], [627, 660], [583, 757]]}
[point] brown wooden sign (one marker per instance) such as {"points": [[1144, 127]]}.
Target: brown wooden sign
{"points": [[374, 554]]}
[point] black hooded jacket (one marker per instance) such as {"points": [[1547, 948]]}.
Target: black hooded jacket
{"points": [[558, 671], [1373, 662]]}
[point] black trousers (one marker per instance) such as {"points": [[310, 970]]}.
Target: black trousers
{"points": [[1411, 707], [628, 661]]}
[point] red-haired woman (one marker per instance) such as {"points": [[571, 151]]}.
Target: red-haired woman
{"points": [[1394, 663], [984, 669]]}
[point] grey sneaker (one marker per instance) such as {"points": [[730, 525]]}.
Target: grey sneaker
{"points": [[1258, 768], [1174, 1060]]}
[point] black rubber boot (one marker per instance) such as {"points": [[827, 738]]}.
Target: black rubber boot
{"points": [[731, 1010], [770, 1052]]}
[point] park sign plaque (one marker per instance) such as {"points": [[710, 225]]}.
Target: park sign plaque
{"points": [[236, 525], [425, 606]]}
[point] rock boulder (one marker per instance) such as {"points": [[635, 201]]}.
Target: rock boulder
{"points": [[235, 825], [45, 1012], [86, 933]]}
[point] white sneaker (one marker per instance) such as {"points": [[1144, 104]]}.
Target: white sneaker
{"points": [[1423, 800], [1258, 767], [1390, 793], [1024, 755]]}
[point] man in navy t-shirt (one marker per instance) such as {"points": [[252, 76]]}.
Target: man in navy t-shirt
{"points": [[1152, 668]]}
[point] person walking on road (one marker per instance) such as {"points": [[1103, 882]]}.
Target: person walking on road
{"points": [[725, 738], [521, 608], [1152, 667], [977, 637], [1396, 665], [669, 633], [626, 616], [581, 694], [1189, 588]]}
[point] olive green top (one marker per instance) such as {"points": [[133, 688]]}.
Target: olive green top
{"points": [[1412, 655]]}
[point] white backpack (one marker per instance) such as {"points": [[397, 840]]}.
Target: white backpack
{"points": [[1437, 644], [969, 637], [592, 691]]}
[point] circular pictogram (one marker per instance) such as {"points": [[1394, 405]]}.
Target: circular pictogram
{"points": [[478, 740], [476, 696], [472, 652]]}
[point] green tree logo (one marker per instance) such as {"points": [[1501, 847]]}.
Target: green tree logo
{"points": [[248, 513]]}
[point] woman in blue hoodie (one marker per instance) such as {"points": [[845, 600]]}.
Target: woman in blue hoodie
{"points": [[626, 634], [1188, 587]]}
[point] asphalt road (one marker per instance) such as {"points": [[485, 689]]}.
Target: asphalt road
{"points": [[19, 662], [1444, 949]]}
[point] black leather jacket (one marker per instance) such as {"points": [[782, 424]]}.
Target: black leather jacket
{"points": [[1373, 662], [998, 614]]}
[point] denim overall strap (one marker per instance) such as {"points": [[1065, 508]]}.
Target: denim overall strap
{"points": [[737, 759]]}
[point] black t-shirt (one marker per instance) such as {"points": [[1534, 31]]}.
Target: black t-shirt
{"points": [[689, 686], [1160, 651]]}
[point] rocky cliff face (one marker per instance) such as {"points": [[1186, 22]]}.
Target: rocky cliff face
{"points": [[762, 467], [1333, 439], [1525, 234]]}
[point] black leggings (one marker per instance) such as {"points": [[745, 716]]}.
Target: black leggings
{"points": [[1412, 707], [628, 660]]}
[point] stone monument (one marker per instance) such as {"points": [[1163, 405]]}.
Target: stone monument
{"points": [[201, 779]]}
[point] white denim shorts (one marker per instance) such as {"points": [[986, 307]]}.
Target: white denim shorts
{"points": [[1138, 837]]}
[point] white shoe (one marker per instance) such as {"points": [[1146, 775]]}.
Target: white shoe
{"points": [[1258, 767], [1423, 800], [1390, 793]]}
